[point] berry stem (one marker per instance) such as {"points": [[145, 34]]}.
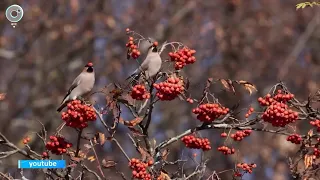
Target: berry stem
{"points": [[146, 127], [108, 129], [78, 143]]}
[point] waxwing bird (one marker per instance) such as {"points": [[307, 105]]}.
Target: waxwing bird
{"points": [[81, 86], [150, 66]]}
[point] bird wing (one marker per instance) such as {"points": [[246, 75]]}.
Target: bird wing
{"points": [[74, 84], [145, 64]]}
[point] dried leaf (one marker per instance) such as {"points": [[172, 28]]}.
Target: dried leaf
{"points": [[87, 146], [298, 6], [303, 5], [227, 84], [209, 81], [164, 176], [310, 133], [187, 83], [133, 122], [308, 159], [144, 154], [77, 159], [91, 158], [248, 86], [95, 140], [165, 153], [117, 92], [121, 120], [110, 22], [128, 100], [72, 165], [102, 138], [108, 163], [128, 54], [2, 96], [153, 143]]}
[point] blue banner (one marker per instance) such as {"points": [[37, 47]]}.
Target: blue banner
{"points": [[41, 164]]}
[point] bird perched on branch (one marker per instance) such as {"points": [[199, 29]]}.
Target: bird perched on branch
{"points": [[150, 66], [81, 86]]}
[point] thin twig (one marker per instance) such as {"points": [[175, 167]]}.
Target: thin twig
{"points": [[96, 155], [92, 172], [122, 150]]}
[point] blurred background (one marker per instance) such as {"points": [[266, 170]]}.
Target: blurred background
{"points": [[260, 41]]}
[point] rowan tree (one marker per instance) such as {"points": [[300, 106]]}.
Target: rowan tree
{"points": [[278, 113]]}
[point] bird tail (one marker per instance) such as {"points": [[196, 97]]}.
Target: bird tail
{"points": [[63, 105], [134, 78]]}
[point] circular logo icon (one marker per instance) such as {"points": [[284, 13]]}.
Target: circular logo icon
{"points": [[14, 13]]}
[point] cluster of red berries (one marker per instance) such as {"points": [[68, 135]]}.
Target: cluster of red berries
{"points": [[226, 150], [133, 48], [246, 167], [183, 57], [316, 123], [316, 149], [78, 114], [209, 112], [170, 89], [26, 140], [139, 169], [193, 142], [279, 97], [139, 92], [278, 113], [250, 111], [295, 138], [316, 152], [57, 145], [239, 135]]}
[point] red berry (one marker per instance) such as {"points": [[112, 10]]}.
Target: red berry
{"points": [[25, 141], [224, 134], [44, 154]]}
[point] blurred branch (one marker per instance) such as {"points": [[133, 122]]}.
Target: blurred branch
{"points": [[240, 126], [312, 25], [95, 154], [4, 141], [92, 172], [6, 176], [109, 131]]}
